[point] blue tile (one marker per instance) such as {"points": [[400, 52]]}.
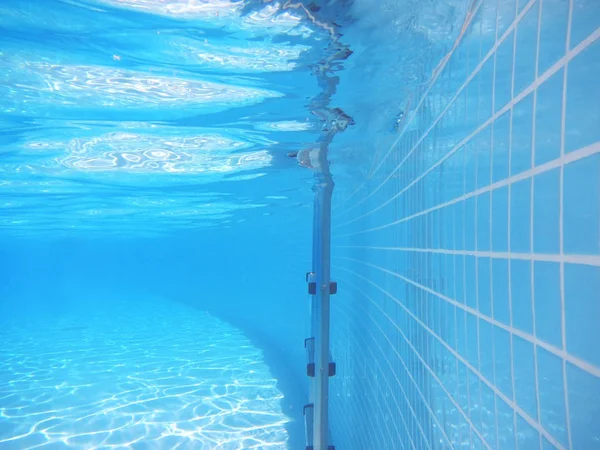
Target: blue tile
{"points": [[552, 395], [521, 4], [584, 408], [482, 143], [522, 135], [475, 398], [463, 385], [583, 90], [452, 381], [472, 341], [462, 107], [459, 279], [472, 89], [470, 221], [488, 9], [525, 57], [528, 438], [471, 281], [546, 212], [457, 63], [448, 229], [500, 219], [486, 90], [476, 443], [461, 333], [586, 19], [488, 415], [463, 433], [459, 225], [457, 165], [581, 194], [520, 283], [520, 212], [503, 361], [506, 15], [473, 46], [553, 33], [483, 222], [501, 145], [506, 425], [547, 302], [486, 349], [500, 290], [484, 286], [548, 117], [582, 310], [504, 69], [524, 369], [449, 276]]}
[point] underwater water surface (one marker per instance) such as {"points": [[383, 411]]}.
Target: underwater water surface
{"points": [[146, 114]]}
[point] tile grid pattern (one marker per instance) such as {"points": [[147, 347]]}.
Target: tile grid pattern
{"points": [[461, 260]]}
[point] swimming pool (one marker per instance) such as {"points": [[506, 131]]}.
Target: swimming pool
{"points": [[159, 159]]}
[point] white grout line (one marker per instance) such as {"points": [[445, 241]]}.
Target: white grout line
{"points": [[475, 72], [583, 365], [481, 377], [477, 157], [561, 258], [491, 234], [425, 365], [416, 110], [561, 225], [464, 221], [398, 382], [537, 82], [590, 260], [561, 161], [531, 222], [456, 346], [406, 369], [342, 313], [511, 336]]}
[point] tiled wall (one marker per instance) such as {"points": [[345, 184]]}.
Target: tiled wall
{"points": [[468, 260]]}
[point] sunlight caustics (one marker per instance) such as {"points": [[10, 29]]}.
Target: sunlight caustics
{"points": [[167, 376]]}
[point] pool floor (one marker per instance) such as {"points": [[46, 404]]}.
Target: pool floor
{"points": [[135, 375]]}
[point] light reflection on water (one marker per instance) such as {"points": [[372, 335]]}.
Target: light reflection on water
{"points": [[132, 152], [167, 95], [219, 13]]}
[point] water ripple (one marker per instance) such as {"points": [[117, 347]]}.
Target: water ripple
{"points": [[150, 117], [30, 86], [144, 153], [223, 13]]}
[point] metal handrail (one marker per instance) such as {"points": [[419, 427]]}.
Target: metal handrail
{"points": [[321, 304], [319, 365]]}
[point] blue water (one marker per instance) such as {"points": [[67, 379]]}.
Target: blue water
{"points": [[138, 109], [132, 133], [157, 168]]}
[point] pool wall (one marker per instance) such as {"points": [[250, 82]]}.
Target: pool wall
{"points": [[468, 257]]}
